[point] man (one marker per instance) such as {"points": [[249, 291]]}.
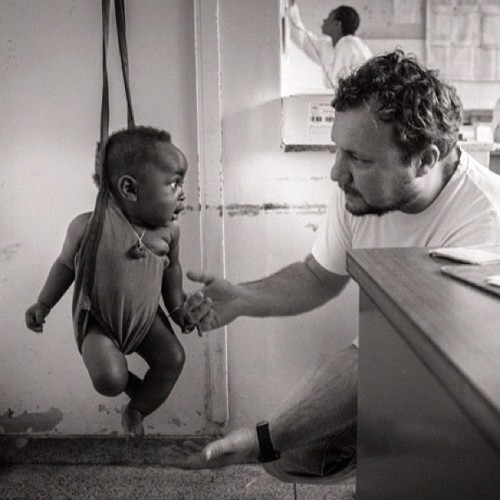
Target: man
{"points": [[399, 180], [339, 50]]}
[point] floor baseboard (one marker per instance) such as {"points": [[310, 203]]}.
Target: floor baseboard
{"points": [[94, 450]]}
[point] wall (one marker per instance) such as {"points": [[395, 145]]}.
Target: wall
{"points": [[50, 77], [274, 203]]}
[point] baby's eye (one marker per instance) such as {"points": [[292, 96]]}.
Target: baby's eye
{"points": [[175, 185]]}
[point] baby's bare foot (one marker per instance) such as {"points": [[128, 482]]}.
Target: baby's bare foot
{"points": [[132, 422]]}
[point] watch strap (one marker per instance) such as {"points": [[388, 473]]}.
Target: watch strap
{"points": [[267, 451]]}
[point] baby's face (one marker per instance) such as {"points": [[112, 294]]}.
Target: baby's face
{"points": [[160, 194]]}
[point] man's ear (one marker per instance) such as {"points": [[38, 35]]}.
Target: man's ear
{"points": [[427, 160], [127, 187]]}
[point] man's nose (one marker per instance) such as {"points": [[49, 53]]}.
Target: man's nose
{"points": [[339, 167]]}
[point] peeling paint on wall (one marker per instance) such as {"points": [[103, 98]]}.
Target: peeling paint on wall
{"points": [[245, 210], [175, 421], [30, 422], [6, 253], [321, 178], [312, 226], [252, 210]]}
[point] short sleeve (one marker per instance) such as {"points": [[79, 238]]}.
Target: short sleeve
{"points": [[333, 239]]}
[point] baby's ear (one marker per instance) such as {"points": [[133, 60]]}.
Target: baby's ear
{"points": [[127, 187]]}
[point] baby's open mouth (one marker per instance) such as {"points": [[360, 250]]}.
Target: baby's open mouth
{"points": [[175, 215]]}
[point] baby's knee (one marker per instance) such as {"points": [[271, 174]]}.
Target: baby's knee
{"points": [[174, 361], [177, 358], [110, 384]]}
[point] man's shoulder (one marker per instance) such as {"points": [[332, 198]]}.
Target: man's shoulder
{"points": [[480, 176]]}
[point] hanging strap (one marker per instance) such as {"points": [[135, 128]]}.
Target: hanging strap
{"points": [[122, 42], [105, 90], [89, 252]]}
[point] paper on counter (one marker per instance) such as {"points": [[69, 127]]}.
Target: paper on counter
{"points": [[468, 255]]}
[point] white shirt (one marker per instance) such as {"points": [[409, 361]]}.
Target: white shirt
{"points": [[466, 212], [337, 61]]}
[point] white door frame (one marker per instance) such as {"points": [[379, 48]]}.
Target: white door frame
{"points": [[211, 195]]}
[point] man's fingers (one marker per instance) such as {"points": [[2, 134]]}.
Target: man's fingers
{"points": [[215, 449], [208, 322], [198, 310], [237, 441], [194, 300], [200, 277]]}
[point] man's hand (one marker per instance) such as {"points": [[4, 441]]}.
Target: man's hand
{"points": [[216, 304], [35, 317], [238, 447]]}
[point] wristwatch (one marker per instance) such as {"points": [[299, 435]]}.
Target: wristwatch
{"points": [[267, 451]]}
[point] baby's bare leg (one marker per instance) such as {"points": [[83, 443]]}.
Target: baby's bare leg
{"points": [[165, 357], [106, 364]]}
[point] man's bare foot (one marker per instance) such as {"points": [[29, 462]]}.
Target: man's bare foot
{"points": [[132, 422]]}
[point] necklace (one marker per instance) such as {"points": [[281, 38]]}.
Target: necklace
{"points": [[138, 251]]}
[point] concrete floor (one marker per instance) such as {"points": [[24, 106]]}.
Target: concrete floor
{"points": [[110, 468], [153, 482]]}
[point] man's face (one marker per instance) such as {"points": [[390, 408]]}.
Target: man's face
{"points": [[369, 167]]}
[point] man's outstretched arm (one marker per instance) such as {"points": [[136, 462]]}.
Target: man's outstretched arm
{"points": [[297, 288]]}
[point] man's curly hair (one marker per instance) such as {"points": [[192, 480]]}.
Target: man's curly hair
{"points": [[422, 108]]}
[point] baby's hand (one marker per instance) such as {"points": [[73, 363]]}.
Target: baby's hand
{"points": [[35, 317], [183, 320]]}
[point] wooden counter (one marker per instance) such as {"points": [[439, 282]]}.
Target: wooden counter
{"points": [[429, 380]]}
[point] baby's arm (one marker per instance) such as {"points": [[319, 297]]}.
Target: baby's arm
{"points": [[60, 278], [172, 292]]}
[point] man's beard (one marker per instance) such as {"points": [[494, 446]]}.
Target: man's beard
{"points": [[406, 196]]}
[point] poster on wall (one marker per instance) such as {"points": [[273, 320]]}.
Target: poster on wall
{"points": [[462, 39]]}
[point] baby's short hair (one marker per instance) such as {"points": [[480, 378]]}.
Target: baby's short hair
{"points": [[129, 150]]}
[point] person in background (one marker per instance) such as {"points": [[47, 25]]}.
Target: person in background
{"points": [[137, 263], [399, 179], [339, 50]]}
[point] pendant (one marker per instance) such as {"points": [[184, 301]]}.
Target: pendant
{"points": [[138, 251]]}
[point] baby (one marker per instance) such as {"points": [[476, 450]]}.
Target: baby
{"points": [[135, 264]]}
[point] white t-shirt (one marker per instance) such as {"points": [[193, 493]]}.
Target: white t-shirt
{"points": [[466, 212], [337, 61]]}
